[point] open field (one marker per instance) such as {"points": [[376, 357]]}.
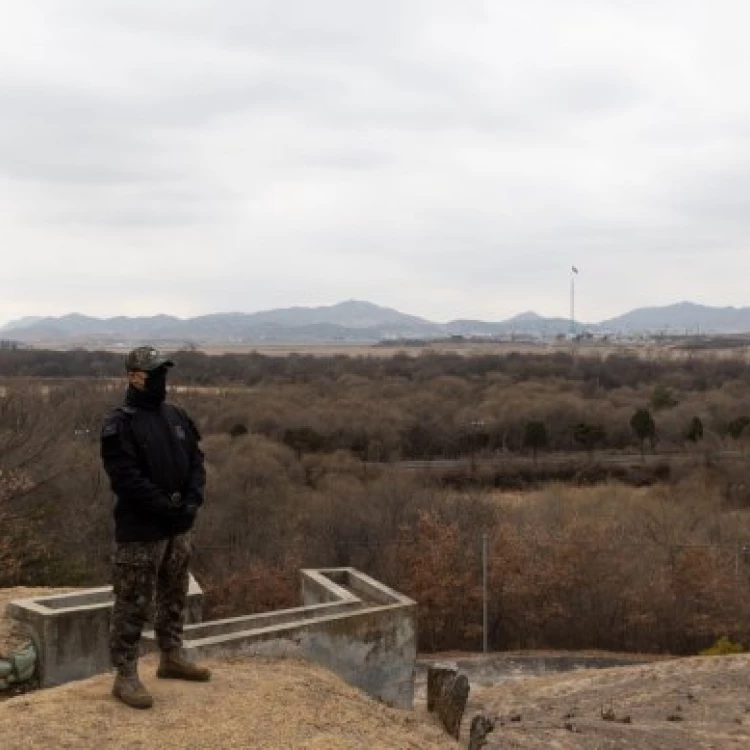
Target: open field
{"points": [[325, 349], [674, 350]]}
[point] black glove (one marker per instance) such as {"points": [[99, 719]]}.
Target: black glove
{"points": [[169, 503]]}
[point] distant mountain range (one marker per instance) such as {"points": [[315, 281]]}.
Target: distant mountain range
{"points": [[355, 321]]}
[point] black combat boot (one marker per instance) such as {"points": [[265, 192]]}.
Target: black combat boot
{"points": [[129, 689], [174, 666]]}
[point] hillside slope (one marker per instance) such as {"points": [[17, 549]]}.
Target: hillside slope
{"points": [[251, 703], [679, 704]]}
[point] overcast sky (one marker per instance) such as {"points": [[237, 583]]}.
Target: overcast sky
{"points": [[451, 159]]}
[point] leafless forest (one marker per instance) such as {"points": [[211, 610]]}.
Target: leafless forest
{"points": [[305, 459]]}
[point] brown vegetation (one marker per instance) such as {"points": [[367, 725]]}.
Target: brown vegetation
{"points": [[302, 472]]}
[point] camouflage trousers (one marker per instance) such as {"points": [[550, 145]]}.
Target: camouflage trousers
{"points": [[144, 574]]}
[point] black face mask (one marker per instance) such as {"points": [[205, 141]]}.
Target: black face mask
{"points": [[156, 385]]}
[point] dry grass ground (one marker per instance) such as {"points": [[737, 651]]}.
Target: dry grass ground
{"points": [[253, 703]]}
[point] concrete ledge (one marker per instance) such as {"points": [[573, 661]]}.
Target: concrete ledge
{"points": [[71, 631], [318, 588], [265, 620]]}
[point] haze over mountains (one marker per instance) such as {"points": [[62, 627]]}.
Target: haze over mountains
{"points": [[356, 321]]}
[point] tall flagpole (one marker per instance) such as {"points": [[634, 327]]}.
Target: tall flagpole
{"points": [[572, 304], [573, 274]]}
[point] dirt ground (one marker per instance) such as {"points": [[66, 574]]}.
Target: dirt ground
{"points": [[685, 704]]}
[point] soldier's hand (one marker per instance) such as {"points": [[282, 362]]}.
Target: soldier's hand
{"points": [[169, 503]]}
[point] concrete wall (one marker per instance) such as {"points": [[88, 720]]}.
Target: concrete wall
{"points": [[372, 649], [70, 632], [370, 640]]}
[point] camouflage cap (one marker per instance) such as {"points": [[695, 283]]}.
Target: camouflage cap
{"points": [[146, 358]]}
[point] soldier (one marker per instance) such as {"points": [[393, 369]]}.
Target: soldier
{"points": [[150, 451]]}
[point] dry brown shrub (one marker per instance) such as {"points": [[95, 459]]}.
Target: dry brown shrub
{"points": [[439, 570], [258, 586]]}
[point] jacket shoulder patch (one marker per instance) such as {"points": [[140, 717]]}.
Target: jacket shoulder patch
{"points": [[110, 428], [114, 422]]}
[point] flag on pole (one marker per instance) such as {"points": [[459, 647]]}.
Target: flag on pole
{"points": [[575, 270]]}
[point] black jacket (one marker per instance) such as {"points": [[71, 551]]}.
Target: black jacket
{"points": [[149, 454]]}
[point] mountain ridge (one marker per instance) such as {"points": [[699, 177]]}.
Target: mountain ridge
{"points": [[361, 321]]}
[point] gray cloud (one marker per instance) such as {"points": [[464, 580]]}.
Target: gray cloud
{"points": [[451, 160]]}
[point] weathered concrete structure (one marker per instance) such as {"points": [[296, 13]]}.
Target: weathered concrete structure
{"points": [[70, 632], [349, 622]]}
